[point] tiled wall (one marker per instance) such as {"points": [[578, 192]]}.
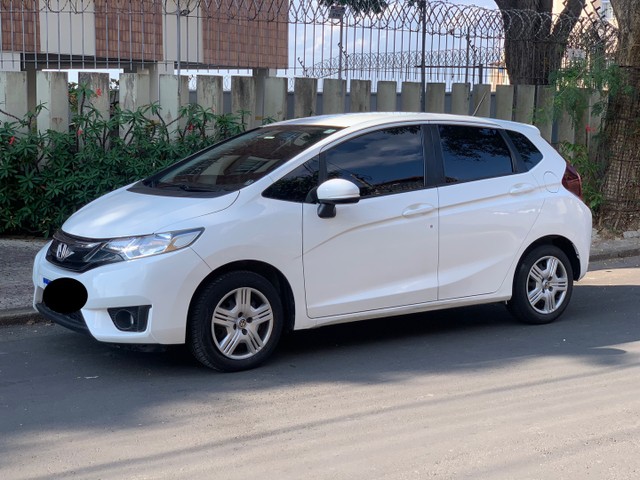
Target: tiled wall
{"points": [[20, 25], [230, 40], [130, 31]]}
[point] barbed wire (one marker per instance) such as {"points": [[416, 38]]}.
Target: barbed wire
{"points": [[397, 60], [459, 36], [443, 18]]}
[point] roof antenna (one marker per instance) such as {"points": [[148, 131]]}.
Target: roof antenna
{"points": [[479, 104]]}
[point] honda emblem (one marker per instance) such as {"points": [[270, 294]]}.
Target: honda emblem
{"points": [[62, 252]]}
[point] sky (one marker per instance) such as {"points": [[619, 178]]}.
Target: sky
{"points": [[478, 3]]}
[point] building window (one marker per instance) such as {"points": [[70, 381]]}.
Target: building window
{"points": [[605, 10]]}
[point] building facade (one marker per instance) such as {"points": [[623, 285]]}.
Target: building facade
{"points": [[601, 8], [131, 34]]}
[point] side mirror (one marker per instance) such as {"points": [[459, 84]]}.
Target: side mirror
{"points": [[334, 192]]}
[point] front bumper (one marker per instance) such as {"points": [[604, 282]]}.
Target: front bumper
{"points": [[73, 321], [166, 282]]}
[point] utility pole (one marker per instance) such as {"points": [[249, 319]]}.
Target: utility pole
{"points": [[336, 12], [179, 14]]}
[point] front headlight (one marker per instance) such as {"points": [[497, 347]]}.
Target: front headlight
{"points": [[148, 245], [81, 254]]}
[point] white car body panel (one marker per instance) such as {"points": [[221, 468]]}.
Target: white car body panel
{"points": [[434, 248], [166, 282], [395, 263], [122, 213], [479, 233]]}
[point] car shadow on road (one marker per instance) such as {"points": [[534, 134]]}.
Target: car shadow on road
{"points": [[438, 341], [471, 337], [61, 371]]}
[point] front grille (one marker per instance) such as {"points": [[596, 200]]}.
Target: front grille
{"points": [[74, 253], [73, 321]]}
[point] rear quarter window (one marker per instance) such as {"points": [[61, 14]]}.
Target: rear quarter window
{"points": [[473, 153], [529, 153]]}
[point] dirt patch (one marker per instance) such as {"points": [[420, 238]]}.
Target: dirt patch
{"points": [[16, 264]]}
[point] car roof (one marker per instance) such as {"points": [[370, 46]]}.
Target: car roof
{"points": [[371, 119]]}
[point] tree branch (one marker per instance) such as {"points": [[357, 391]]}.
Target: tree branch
{"points": [[567, 19]]}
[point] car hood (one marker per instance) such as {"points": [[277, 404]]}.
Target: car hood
{"points": [[123, 213]]}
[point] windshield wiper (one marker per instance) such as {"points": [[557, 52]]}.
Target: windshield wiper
{"points": [[190, 188], [185, 187]]}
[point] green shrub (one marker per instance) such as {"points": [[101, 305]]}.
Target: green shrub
{"points": [[45, 177], [589, 170]]}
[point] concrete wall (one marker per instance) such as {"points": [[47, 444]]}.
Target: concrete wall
{"points": [[306, 97], [190, 34], [333, 96], [65, 33], [460, 98], [275, 99], [13, 96], [243, 98], [174, 94], [52, 91], [504, 102], [481, 100], [387, 98], [528, 104], [410, 97], [435, 97], [360, 98], [98, 83]]}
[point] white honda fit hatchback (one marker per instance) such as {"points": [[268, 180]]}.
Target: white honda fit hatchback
{"points": [[318, 221]]}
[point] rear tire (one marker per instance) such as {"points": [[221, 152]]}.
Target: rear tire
{"points": [[542, 285], [235, 322]]}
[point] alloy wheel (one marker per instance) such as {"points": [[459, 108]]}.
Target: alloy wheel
{"points": [[242, 323], [547, 285]]}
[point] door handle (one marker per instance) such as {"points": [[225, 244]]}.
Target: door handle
{"points": [[520, 188], [419, 209]]}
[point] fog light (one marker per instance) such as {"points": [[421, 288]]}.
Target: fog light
{"points": [[130, 319], [124, 320]]}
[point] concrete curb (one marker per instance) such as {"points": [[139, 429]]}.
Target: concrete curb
{"points": [[21, 316], [608, 255]]}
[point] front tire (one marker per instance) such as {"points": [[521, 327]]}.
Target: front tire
{"points": [[542, 286], [235, 322]]}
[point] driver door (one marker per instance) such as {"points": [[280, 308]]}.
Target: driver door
{"points": [[381, 252]]}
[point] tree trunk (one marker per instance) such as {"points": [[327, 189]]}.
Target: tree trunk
{"points": [[621, 135], [535, 44]]}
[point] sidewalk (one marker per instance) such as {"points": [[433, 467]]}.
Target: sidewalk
{"points": [[16, 262]]}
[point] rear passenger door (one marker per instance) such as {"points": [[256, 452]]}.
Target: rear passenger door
{"points": [[488, 204]]}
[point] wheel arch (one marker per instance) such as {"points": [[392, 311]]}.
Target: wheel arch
{"points": [[272, 274], [563, 244]]}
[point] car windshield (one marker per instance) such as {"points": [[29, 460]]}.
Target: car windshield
{"points": [[240, 161]]}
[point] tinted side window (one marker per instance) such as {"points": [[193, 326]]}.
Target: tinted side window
{"points": [[530, 155], [472, 153], [296, 185], [380, 163]]}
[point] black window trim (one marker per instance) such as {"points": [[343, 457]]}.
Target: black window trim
{"points": [[519, 165], [433, 155], [516, 153]]}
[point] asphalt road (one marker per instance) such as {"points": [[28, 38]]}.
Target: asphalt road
{"points": [[467, 393]]}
